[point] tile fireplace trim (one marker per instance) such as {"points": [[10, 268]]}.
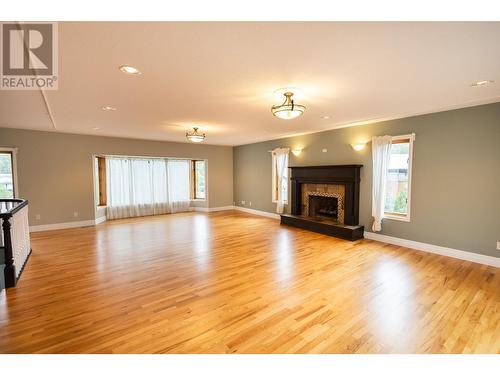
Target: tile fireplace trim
{"points": [[340, 203]]}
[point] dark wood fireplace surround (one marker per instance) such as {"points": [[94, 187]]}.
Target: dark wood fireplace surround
{"points": [[347, 175]]}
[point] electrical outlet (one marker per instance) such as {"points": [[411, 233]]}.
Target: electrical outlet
{"points": [[37, 217], [498, 245], [243, 202], [75, 214]]}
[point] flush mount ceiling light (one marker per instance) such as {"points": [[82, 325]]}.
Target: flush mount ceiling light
{"points": [[288, 110], [482, 83], [127, 69], [194, 136], [108, 108]]}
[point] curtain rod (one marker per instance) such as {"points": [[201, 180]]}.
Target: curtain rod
{"points": [[145, 157], [276, 148]]}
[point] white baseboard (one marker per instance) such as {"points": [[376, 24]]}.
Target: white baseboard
{"points": [[258, 212], [100, 220], [223, 208], [440, 250], [211, 209], [71, 224]]}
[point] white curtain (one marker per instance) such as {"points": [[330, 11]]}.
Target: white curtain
{"points": [[280, 177], [141, 187], [381, 152]]}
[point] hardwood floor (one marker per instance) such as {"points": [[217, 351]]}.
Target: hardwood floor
{"points": [[230, 282]]}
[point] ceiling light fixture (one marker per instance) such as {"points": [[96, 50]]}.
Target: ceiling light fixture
{"points": [[288, 110], [108, 108], [194, 136], [127, 69], [95, 128], [482, 83]]}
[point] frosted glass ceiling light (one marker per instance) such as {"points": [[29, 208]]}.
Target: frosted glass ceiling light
{"points": [[194, 136], [288, 110]]}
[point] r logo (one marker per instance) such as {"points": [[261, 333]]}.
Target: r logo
{"points": [[27, 49], [29, 56]]}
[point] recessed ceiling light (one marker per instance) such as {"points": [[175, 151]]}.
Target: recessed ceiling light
{"points": [[127, 69], [482, 83], [95, 128], [326, 117], [108, 108]]}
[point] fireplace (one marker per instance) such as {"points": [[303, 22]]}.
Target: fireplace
{"points": [[325, 199], [323, 207]]}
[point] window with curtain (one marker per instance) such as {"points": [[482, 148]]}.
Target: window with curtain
{"points": [[391, 184], [280, 177], [142, 186]]}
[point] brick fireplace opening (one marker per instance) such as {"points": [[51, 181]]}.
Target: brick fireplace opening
{"points": [[325, 199]]}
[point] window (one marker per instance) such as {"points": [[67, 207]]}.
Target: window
{"points": [[7, 173], [398, 179], [199, 179], [100, 177], [280, 175], [138, 186]]}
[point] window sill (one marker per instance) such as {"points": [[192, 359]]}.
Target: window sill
{"points": [[397, 217], [199, 200], [286, 202]]}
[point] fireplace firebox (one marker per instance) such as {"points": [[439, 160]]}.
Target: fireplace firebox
{"points": [[325, 199], [323, 207]]}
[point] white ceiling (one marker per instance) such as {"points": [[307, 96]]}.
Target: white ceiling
{"points": [[221, 76]]}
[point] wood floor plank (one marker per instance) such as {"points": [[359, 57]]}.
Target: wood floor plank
{"points": [[230, 282]]}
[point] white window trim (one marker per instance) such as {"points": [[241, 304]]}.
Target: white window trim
{"points": [[14, 169], [407, 217]]}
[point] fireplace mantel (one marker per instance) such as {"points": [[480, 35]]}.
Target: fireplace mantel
{"points": [[346, 175]]}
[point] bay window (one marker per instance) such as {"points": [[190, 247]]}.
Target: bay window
{"points": [[140, 186]]}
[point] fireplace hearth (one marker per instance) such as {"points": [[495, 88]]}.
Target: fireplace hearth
{"points": [[325, 199]]}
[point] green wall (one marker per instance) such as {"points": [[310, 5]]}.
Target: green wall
{"points": [[455, 181], [55, 170]]}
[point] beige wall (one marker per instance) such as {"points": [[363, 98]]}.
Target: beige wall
{"points": [[456, 174], [55, 170]]}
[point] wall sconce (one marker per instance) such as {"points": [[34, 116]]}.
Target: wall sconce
{"points": [[297, 151], [358, 146]]}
